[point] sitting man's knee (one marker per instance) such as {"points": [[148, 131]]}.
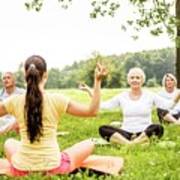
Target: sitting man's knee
{"points": [[8, 143]]}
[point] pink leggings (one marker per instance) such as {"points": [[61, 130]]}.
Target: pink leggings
{"points": [[63, 168]]}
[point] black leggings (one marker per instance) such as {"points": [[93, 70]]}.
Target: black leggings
{"points": [[154, 129], [162, 112]]}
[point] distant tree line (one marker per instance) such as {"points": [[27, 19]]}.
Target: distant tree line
{"points": [[155, 63]]}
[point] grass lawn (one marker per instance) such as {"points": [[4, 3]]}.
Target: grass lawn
{"points": [[159, 160]]}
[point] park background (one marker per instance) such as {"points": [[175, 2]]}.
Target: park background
{"points": [[72, 43]]}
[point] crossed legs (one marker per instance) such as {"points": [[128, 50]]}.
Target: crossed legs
{"points": [[10, 147], [119, 136], [79, 154]]}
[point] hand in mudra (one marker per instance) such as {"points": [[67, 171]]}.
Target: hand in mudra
{"points": [[100, 71], [83, 86]]}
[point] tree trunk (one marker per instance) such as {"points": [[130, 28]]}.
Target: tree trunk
{"points": [[178, 44]]}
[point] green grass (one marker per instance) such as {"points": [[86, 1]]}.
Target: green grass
{"points": [[158, 161]]}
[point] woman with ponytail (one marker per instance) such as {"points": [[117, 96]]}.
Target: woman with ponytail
{"points": [[38, 113]]}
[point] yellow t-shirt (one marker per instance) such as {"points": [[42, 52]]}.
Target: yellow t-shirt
{"points": [[43, 154]]}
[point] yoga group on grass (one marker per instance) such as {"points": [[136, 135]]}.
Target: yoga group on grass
{"points": [[35, 113], [137, 105]]}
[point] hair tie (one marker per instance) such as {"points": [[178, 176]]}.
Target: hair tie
{"points": [[32, 66]]}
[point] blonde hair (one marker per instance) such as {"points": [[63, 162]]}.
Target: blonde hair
{"points": [[171, 76], [138, 71]]}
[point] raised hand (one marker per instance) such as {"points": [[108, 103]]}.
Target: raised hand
{"points": [[86, 88], [100, 71], [83, 86]]}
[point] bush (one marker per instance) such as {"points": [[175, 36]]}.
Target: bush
{"points": [[152, 82]]}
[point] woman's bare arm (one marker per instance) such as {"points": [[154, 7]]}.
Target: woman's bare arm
{"points": [[78, 109]]}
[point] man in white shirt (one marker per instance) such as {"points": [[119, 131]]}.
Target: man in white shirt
{"points": [[8, 122]]}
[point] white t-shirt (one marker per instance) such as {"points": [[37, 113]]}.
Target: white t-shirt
{"points": [[171, 96], [137, 113]]}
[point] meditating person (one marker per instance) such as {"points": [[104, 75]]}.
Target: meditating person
{"points": [[8, 122], [137, 104], [38, 113], [169, 91]]}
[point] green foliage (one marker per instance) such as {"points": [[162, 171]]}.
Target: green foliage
{"points": [[151, 83], [54, 78], [178, 41], [156, 14], [103, 8], [155, 63], [20, 81], [1, 80], [34, 4]]}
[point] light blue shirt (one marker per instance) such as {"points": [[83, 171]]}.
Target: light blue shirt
{"points": [[4, 94]]}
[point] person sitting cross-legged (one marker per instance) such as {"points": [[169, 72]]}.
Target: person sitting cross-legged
{"points": [[9, 122], [169, 91], [38, 113]]}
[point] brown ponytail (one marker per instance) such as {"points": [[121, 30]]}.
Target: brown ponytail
{"points": [[35, 67]]}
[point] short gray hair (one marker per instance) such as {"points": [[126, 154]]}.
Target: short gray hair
{"points": [[137, 70], [8, 72]]}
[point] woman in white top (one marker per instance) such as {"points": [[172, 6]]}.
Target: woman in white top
{"points": [[169, 92], [136, 106]]}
